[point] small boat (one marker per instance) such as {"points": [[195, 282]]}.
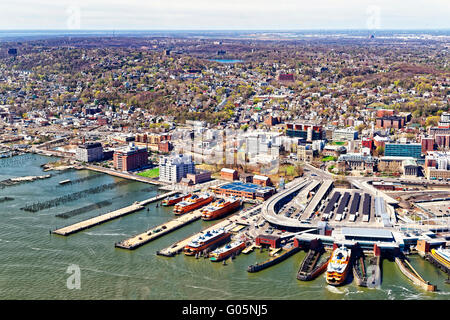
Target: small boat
{"points": [[338, 266], [226, 251], [64, 181]]}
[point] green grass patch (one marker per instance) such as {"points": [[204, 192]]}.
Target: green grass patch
{"points": [[338, 143], [329, 158], [152, 173]]}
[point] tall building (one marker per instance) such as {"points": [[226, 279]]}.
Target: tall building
{"points": [[130, 158], [89, 152], [174, 168], [403, 150]]}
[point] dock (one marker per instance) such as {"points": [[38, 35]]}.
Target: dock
{"points": [[89, 223], [229, 223], [273, 260], [158, 231], [407, 269], [178, 246]]}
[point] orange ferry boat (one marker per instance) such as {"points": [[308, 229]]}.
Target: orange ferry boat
{"points": [[191, 203], [338, 266], [226, 251], [206, 240], [175, 199], [219, 208]]}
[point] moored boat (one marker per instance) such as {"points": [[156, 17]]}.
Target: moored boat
{"points": [[175, 199], [204, 241], [220, 208], [442, 255], [226, 251], [338, 266], [191, 203]]}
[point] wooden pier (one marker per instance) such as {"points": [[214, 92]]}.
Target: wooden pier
{"points": [[89, 223]]}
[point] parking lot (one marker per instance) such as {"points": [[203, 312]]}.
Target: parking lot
{"points": [[437, 208]]}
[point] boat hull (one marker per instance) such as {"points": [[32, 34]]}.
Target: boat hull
{"points": [[220, 212], [190, 251], [178, 210], [225, 255]]}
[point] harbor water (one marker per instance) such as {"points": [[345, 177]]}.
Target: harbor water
{"points": [[34, 263]]}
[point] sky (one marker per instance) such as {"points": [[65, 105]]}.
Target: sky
{"points": [[224, 14]]}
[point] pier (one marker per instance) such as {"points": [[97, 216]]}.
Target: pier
{"points": [[227, 223], [407, 269], [178, 246], [158, 231], [89, 223], [273, 260]]}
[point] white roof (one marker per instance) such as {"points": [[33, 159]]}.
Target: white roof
{"points": [[258, 177], [228, 170]]}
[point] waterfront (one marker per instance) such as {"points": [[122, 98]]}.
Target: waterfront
{"points": [[34, 262]]}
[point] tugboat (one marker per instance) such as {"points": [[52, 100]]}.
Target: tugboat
{"points": [[191, 203], [226, 251], [338, 266], [220, 208]]}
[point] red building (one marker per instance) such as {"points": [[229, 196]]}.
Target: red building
{"points": [[385, 113], [268, 239], [390, 122], [229, 174], [427, 144], [130, 158], [262, 180], [271, 121], [442, 140], [367, 143], [164, 146]]}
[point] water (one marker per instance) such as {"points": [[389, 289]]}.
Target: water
{"points": [[226, 60], [34, 262]]}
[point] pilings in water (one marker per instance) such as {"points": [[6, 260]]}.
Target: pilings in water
{"points": [[38, 206]]}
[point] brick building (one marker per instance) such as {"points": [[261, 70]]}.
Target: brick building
{"points": [[130, 158], [229, 174]]}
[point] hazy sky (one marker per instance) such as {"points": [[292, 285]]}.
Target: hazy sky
{"points": [[224, 14]]}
